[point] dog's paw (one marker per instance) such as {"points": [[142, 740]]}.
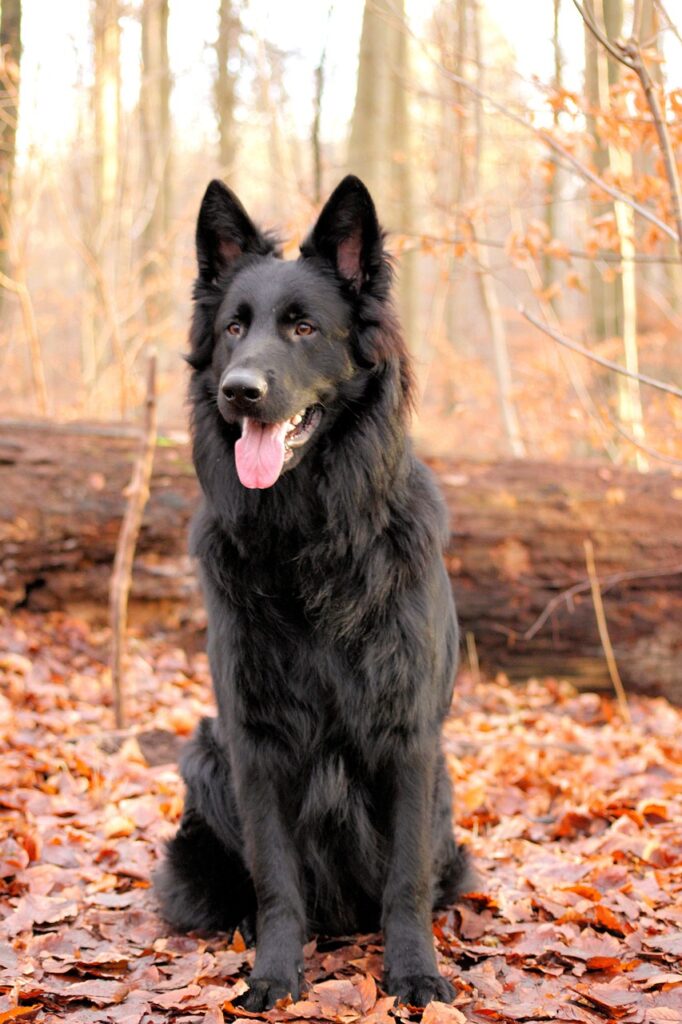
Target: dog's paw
{"points": [[263, 993], [419, 989]]}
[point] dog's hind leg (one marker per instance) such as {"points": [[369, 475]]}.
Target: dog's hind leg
{"points": [[203, 883], [453, 874]]}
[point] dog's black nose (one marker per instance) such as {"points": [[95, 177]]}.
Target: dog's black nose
{"points": [[244, 386]]}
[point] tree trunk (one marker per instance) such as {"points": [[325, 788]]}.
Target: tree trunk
{"points": [[281, 174], [369, 128], [621, 294], [315, 141], [453, 181], [501, 361], [379, 149], [155, 90], [10, 62], [553, 190], [107, 103], [601, 71], [489, 297], [515, 557], [100, 320], [227, 50]]}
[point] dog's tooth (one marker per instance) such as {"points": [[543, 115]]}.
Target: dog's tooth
{"points": [[296, 419]]}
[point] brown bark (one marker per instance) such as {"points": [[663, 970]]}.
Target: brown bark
{"points": [[155, 90], [553, 191], [107, 107], [379, 148], [315, 143], [516, 547], [601, 71], [620, 165], [10, 60], [101, 325], [122, 574], [227, 48]]}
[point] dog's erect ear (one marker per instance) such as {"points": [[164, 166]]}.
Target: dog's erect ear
{"points": [[347, 233], [225, 232]]}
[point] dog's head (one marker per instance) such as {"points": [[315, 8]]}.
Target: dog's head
{"points": [[288, 344]]}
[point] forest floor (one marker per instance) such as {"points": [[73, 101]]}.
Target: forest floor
{"points": [[574, 819]]}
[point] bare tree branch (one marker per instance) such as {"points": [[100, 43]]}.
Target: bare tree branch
{"points": [[604, 630], [568, 362], [630, 54], [587, 14], [138, 494], [661, 124], [670, 460], [602, 255], [20, 289], [608, 363], [549, 140], [605, 582], [670, 24]]}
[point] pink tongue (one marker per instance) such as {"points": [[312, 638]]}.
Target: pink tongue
{"points": [[259, 452]]}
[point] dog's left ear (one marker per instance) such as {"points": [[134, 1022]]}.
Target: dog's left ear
{"points": [[347, 233]]}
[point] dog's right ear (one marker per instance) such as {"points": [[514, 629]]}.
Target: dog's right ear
{"points": [[225, 232], [347, 234]]}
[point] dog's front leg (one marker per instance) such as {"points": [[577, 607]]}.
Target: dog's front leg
{"points": [[277, 879], [411, 972]]}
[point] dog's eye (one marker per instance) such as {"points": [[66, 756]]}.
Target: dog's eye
{"points": [[303, 329], [234, 328]]}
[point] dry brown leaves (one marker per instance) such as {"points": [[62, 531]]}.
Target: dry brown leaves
{"points": [[575, 821]]}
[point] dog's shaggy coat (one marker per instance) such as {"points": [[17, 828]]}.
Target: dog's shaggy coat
{"points": [[318, 799]]}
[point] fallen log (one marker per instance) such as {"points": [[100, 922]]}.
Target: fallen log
{"points": [[515, 557]]}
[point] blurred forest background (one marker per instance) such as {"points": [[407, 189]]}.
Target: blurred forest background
{"points": [[523, 160], [524, 156]]}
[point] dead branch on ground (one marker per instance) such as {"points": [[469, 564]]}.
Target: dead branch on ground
{"points": [[604, 631], [138, 494]]}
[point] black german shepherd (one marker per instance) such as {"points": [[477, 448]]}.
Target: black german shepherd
{"points": [[318, 799]]}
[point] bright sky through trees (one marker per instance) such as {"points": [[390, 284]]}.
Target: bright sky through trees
{"points": [[56, 63]]}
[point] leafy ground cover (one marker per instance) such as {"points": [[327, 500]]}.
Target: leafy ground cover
{"points": [[574, 819]]}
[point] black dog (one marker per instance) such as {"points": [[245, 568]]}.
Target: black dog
{"points": [[318, 799]]}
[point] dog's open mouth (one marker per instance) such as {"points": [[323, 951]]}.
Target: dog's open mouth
{"points": [[263, 448]]}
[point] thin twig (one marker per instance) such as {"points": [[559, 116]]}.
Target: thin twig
{"points": [[670, 460], [103, 290], [472, 655], [602, 255], [548, 139], [121, 577], [664, 141], [630, 55], [605, 582], [637, 13], [604, 632], [503, 373], [644, 378], [670, 24], [574, 375], [587, 14], [20, 289]]}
